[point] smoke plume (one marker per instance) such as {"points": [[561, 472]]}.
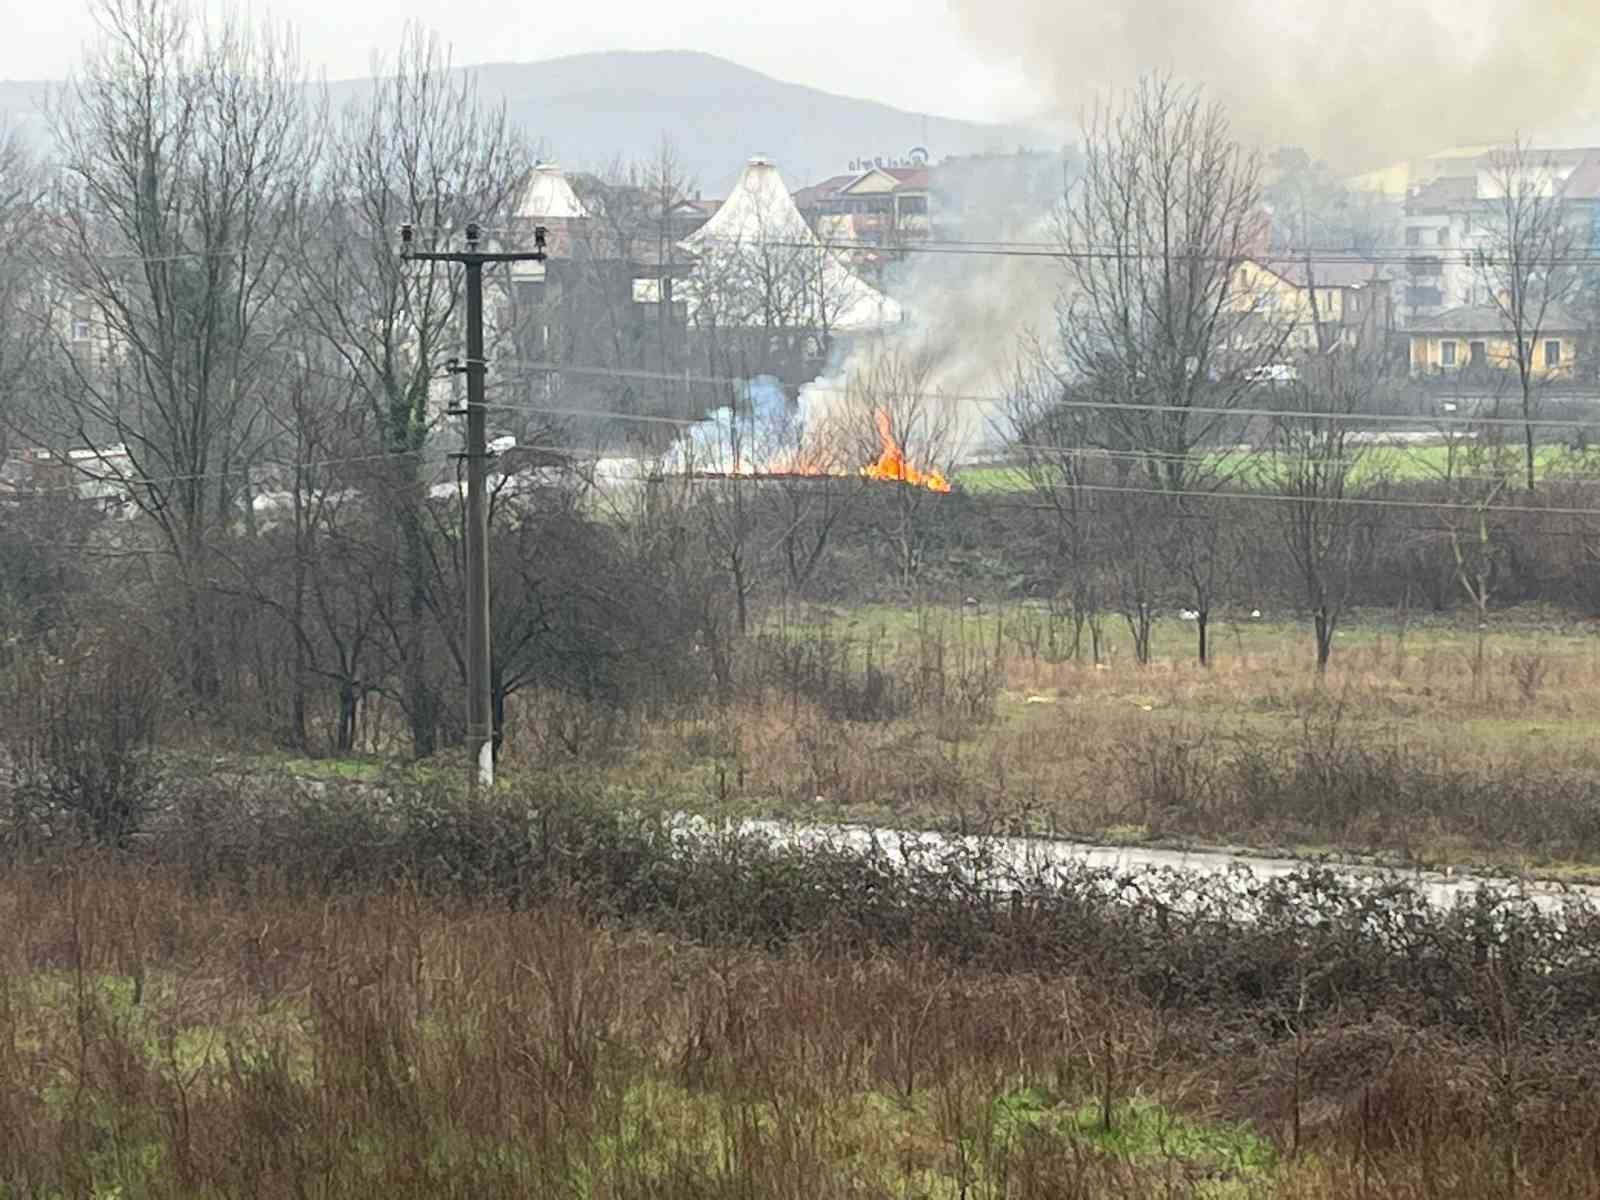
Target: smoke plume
{"points": [[972, 314], [1360, 83]]}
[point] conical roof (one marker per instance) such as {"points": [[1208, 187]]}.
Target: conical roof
{"points": [[548, 196], [759, 218], [758, 209]]}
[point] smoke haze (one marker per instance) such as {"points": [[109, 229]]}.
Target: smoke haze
{"points": [[1361, 83], [970, 316]]}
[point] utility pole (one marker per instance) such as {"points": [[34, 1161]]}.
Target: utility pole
{"points": [[480, 722]]}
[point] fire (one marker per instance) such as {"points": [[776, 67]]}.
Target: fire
{"points": [[892, 464]]}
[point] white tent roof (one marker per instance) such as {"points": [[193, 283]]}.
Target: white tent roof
{"points": [[759, 213], [549, 196], [759, 208]]}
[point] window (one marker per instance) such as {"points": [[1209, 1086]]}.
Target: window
{"points": [[1444, 236], [1552, 353], [913, 206], [1447, 354], [80, 329], [1414, 235], [1478, 354]]}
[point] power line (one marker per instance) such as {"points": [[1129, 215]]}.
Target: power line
{"points": [[144, 481], [1189, 494], [1379, 256], [551, 368], [998, 247]]}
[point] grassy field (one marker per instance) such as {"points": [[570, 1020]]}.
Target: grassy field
{"points": [[752, 1024], [975, 718], [169, 1048], [1399, 464]]}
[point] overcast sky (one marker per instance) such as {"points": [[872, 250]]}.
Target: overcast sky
{"points": [[904, 52]]}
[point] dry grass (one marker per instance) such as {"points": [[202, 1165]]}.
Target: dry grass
{"points": [[960, 720], [155, 1042]]}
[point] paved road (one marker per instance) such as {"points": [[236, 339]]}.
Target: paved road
{"points": [[1029, 855]]}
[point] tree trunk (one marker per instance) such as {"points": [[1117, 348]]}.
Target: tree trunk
{"points": [[205, 681], [1323, 622], [422, 705], [1139, 620], [345, 734], [497, 705], [1201, 623], [1527, 432], [741, 590], [297, 700]]}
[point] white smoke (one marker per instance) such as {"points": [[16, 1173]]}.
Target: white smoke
{"points": [[1360, 83], [974, 309]]}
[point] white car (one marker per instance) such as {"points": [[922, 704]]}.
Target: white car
{"points": [[1274, 373]]}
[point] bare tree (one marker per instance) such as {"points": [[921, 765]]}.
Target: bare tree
{"points": [[1057, 460], [729, 457], [20, 187], [816, 486], [906, 434], [1161, 332], [1316, 466], [1470, 526], [417, 149], [296, 556], [1159, 328], [184, 152], [1525, 264]]}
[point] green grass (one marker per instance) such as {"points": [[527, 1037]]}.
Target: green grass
{"points": [[1398, 464], [1040, 754], [638, 1125]]}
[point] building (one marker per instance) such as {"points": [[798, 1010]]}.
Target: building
{"points": [[975, 195], [759, 268], [1439, 218], [879, 206], [1327, 302], [1451, 216], [1477, 339], [604, 299]]}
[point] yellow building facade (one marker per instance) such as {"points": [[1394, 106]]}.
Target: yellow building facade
{"points": [[1343, 297], [1480, 338]]}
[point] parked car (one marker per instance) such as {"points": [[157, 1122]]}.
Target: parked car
{"points": [[1275, 373]]}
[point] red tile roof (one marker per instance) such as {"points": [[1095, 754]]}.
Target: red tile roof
{"points": [[909, 177], [806, 197]]}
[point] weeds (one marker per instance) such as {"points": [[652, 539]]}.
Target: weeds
{"points": [[346, 991], [734, 1026]]}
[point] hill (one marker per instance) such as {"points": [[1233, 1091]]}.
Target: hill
{"points": [[590, 109]]}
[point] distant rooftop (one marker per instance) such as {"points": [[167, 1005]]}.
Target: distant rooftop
{"points": [[1487, 318], [1328, 272]]}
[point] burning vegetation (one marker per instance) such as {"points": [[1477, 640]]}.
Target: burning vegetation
{"points": [[892, 464]]}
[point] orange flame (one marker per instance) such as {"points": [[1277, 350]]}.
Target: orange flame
{"points": [[892, 464]]}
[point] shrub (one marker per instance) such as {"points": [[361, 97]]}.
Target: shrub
{"points": [[81, 731]]}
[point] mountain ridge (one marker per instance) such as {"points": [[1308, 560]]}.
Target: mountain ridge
{"points": [[597, 107]]}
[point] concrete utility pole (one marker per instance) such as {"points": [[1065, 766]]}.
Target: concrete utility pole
{"points": [[480, 722]]}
